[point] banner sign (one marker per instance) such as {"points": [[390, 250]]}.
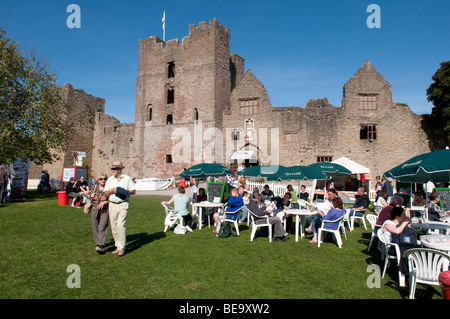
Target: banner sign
{"points": [[152, 184], [19, 178], [68, 172]]}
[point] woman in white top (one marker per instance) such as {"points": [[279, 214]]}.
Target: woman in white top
{"points": [[397, 223], [382, 200]]}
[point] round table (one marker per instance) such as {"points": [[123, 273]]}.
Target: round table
{"points": [[200, 207], [436, 241], [432, 225], [299, 213]]}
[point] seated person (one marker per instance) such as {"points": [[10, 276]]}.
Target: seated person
{"points": [[281, 203], [418, 200], [72, 191], [235, 203], [382, 200], [336, 212], [83, 186], [394, 226], [246, 199], [294, 197], [201, 197], [303, 193], [180, 203], [267, 192], [262, 211], [385, 214], [435, 212], [362, 201]]}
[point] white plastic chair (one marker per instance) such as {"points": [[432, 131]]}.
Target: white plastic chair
{"points": [[425, 265], [377, 209], [387, 257], [174, 218], [352, 220], [372, 218], [255, 225], [336, 233], [223, 218]]}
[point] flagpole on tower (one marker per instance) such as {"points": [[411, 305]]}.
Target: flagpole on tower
{"points": [[164, 26]]}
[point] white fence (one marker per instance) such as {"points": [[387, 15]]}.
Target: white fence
{"points": [[280, 189]]}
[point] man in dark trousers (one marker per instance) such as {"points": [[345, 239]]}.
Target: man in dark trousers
{"points": [[261, 211]]}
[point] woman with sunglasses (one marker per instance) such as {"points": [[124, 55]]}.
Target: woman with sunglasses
{"points": [[99, 213]]}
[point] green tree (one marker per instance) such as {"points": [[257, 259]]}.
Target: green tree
{"points": [[439, 94], [31, 109]]}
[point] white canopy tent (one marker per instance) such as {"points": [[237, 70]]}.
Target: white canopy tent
{"points": [[352, 166], [356, 169]]}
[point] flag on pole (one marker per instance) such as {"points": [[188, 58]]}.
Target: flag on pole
{"points": [[164, 25]]}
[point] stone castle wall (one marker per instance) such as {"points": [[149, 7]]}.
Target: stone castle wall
{"points": [[216, 108]]}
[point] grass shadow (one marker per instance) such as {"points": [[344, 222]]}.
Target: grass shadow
{"points": [[136, 241]]}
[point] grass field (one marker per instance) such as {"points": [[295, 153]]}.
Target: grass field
{"points": [[40, 239]]}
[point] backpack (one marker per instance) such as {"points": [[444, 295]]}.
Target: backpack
{"points": [[407, 237], [225, 230]]}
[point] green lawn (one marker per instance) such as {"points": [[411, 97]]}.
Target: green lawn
{"points": [[40, 239]]}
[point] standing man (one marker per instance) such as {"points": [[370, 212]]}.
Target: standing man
{"points": [[118, 188]]}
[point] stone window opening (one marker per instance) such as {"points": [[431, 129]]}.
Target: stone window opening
{"points": [[195, 116], [170, 96], [368, 101], [368, 132], [169, 119], [171, 70], [324, 159], [168, 158], [235, 135], [248, 107], [149, 112]]}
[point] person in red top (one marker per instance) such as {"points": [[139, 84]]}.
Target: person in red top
{"points": [[385, 214]]}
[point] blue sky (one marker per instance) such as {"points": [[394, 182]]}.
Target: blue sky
{"points": [[300, 50]]}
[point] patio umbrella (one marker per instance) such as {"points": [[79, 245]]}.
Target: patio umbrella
{"points": [[420, 169], [325, 170], [292, 173], [270, 172], [207, 169]]}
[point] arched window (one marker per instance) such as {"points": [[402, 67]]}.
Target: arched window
{"points": [[195, 116], [149, 112]]}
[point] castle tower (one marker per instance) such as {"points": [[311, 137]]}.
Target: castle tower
{"points": [[182, 90]]}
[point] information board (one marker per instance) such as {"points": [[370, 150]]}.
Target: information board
{"points": [[444, 194], [214, 189]]}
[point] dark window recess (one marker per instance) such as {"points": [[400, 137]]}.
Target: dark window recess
{"points": [[169, 119], [322, 159], [195, 116], [170, 96], [368, 132], [235, 135], [169, 158], [171, 69], [149, 114]]}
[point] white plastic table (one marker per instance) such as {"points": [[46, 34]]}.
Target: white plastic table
{"points": [[299, 213], [200, 207], [442, 227], [436, 241]]}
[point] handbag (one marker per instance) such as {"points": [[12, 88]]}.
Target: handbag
{"points": [[88, 205], [407, 237]]}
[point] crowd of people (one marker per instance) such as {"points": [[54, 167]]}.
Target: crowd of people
{"points": [[242, 202]]}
